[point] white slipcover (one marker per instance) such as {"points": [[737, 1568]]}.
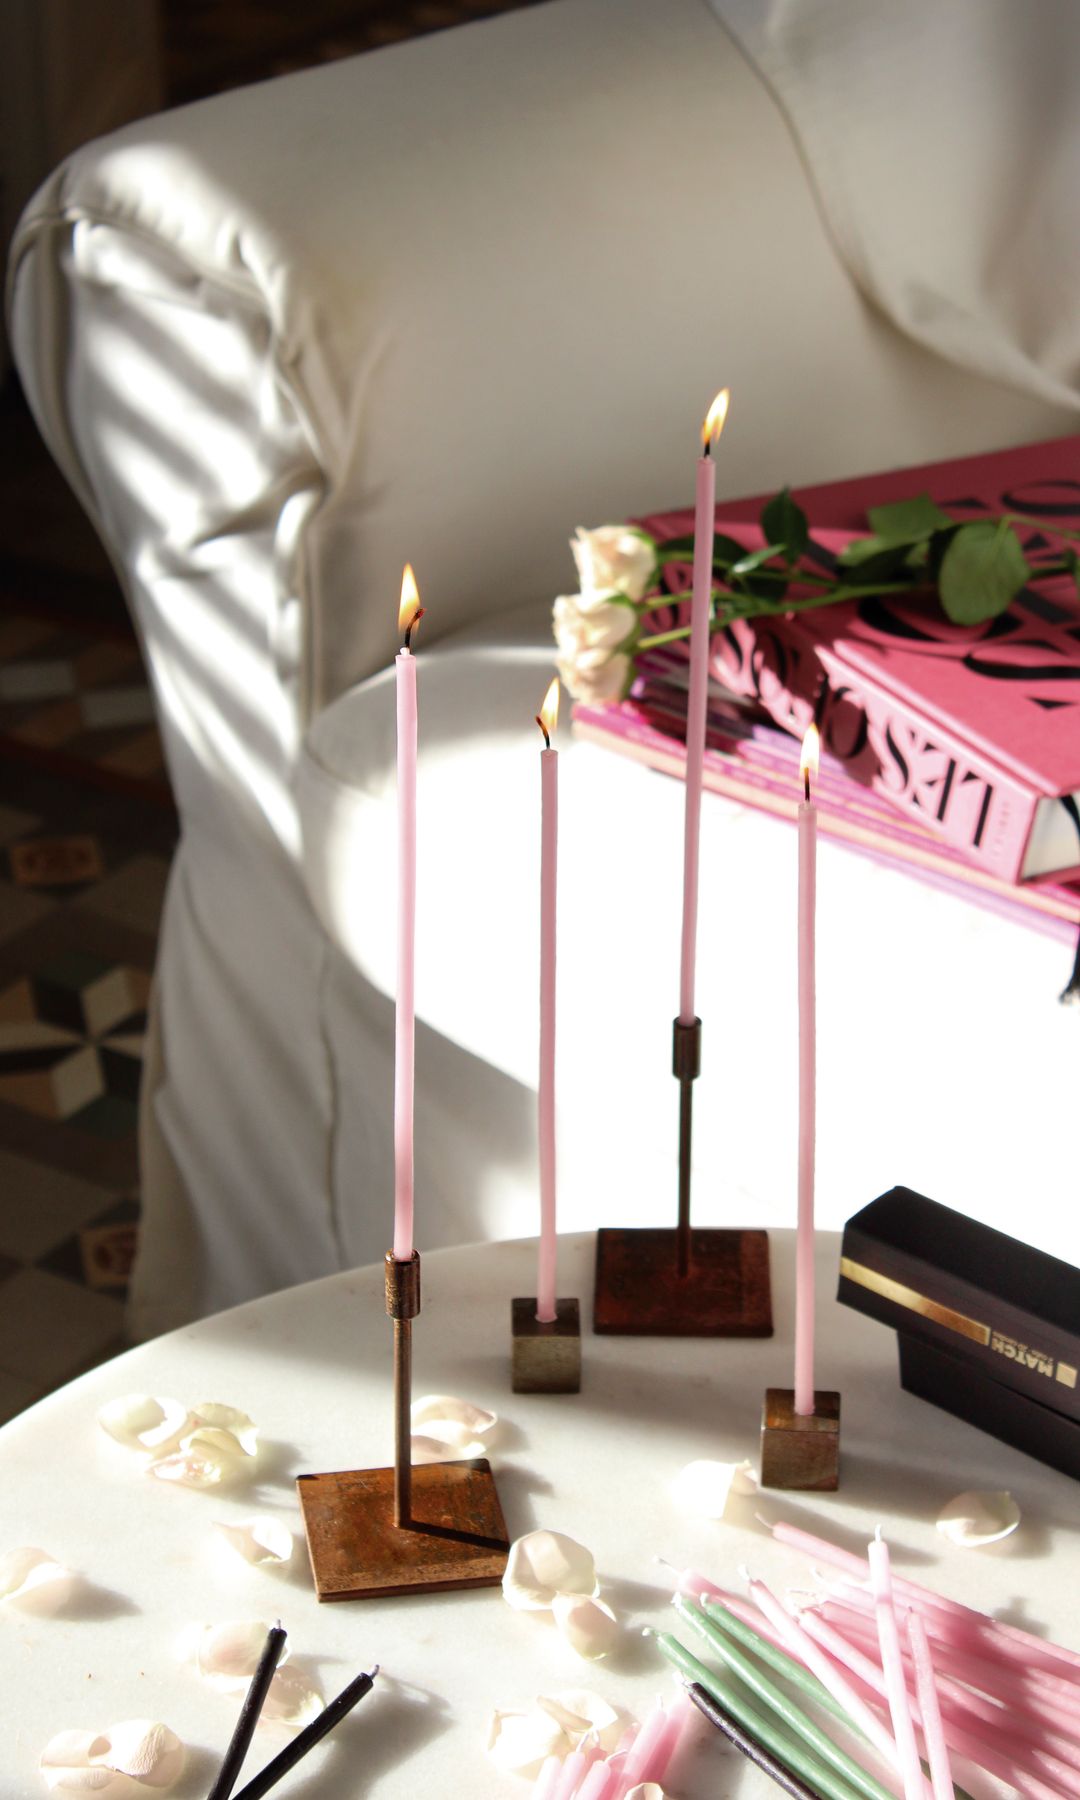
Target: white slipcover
{"points": [[445, 302]]}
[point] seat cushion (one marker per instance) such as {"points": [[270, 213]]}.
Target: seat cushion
{"points": [[924, 999]]}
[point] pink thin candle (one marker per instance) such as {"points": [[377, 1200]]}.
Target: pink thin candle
{"points": [[547, 719], [409, 615], [937, 1751], [700, 608], [804, 1250], [892, 1664]]}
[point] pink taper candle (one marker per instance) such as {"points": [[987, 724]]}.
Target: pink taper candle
{"points": [[892, 1665], [804, 1249], [937, 1751], [405, 1017], [700, 605], [547, 719]]}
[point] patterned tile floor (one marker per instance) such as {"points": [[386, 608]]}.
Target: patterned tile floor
{"points": [[86, 833]]}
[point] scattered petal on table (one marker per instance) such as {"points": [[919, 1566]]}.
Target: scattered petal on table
{"points": [[437, 1449], [262, 1539], [229, 1419], [581, 1714], [978, 1518], [543, 1564], [31, 1580], [589, 1626], [292, 1698], [518, 1742], [443, 1415], [705, 1487], [196, 1466], [226, 1655], [136, 1756], [144, 1422], [646, 1790]]}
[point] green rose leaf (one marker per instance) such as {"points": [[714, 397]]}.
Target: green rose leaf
{"points": [[908, 521], [982, 570], [785, 524], [876, 559], [754, 559]]}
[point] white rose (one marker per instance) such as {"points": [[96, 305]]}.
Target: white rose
{"points": [[591, 622], [614, 557], [599, 677]]}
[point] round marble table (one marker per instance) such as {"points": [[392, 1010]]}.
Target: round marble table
{"points": [[312, 1366]]}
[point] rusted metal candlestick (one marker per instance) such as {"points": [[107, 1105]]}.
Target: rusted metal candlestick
{"points": [[686, 1067], [402, 1305]]}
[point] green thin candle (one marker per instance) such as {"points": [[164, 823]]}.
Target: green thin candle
{"points": [[778, 1702], [763, 1726], [778, 1660]]}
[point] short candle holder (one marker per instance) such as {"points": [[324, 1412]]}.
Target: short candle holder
{"points": [[800, 1450], [683, 1282], [403, 1530], [545, 1353]]}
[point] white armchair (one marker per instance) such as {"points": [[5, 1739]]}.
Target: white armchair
{"points": [[444, 303]]}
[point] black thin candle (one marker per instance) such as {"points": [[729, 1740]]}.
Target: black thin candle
{"points": [[743, 1740], [249, 1714], [288, 1758]]}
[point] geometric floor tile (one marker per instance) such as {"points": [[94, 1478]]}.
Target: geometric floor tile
{"points": [[16, 1394], [56, 861], [50, 1329], [41, 1207]]}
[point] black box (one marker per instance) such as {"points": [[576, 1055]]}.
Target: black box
{"points": [[989, 1328]]}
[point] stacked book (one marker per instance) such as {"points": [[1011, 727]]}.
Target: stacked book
{"points": [[951, 751]]}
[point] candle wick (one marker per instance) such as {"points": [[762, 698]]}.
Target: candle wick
{"points": [[806, 785], [413, 623], [544, 729]]}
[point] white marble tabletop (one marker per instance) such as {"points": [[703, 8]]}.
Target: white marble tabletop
{"points": [[312, 1366]]}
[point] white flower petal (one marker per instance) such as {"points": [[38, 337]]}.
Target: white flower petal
{"points": [[589, 1626], [447, 1410], [134, 1756], [226, 1655], [705, 1487], [646, 1790], [146, 1750], [143, 1421], [262, 1539], [581, 1713], [978, 1518], [519, 1742], [292, 1698], [198, 1468], [436, 1450], [229, 1419], [543, 1564], [31, 1580]]}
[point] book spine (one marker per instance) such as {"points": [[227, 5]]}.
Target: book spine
{"points": [[880, 740]]}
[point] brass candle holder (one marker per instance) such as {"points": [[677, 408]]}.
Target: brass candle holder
{"points": [[686, 1282], [800, 1450], [545, 1353], [403, 1530]]}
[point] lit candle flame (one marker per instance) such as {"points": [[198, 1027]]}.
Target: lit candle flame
{"points": [[548, 716], [410, 612], [713, 423], [808, 760]]}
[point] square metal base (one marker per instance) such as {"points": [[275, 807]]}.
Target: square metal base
{"points": [[456, 1538], [639, 1292], [800, 1450], [545, 1357]]}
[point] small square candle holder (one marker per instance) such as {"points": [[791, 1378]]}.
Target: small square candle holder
{"points": [[800, 1450], [546, 1354], [403, 1530]]}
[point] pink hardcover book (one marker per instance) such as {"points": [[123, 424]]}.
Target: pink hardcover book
{"points": [[750, 763], [973, 731]]}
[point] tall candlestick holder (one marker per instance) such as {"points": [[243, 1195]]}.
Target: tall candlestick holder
{"points": [[372, 1533], [686, 1282]]}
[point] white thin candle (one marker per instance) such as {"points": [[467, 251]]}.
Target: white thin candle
{"points": [[697, 703]]}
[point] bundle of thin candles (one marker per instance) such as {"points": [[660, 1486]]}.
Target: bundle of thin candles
{"points": [[915, 1678], [642, 1755]]}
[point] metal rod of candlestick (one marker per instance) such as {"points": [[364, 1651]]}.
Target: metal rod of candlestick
{"points": [[402, 1304], [686, 1066]]}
